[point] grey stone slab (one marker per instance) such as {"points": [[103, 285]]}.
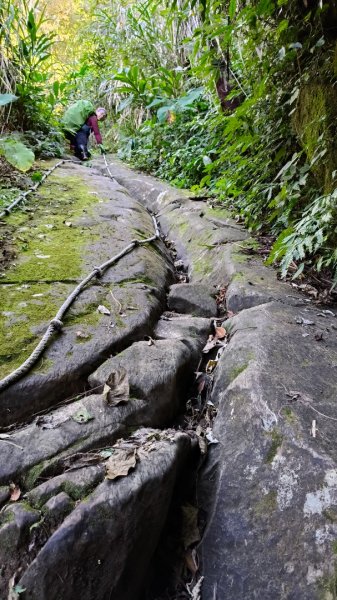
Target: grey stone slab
{"points": [[16, 521], [200, 232], [252, 283], [133, 290], [104, 547], [196, 299], [158, 376], [159, 373], [172, 325], [269, 487]]}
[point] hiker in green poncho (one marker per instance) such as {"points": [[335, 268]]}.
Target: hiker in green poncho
{"points": [[78, 122]]}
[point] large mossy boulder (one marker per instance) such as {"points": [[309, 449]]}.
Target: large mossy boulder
{"points": [[315, 122]]}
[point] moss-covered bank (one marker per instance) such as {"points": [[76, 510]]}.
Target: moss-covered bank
{"points": [[49, 246]]}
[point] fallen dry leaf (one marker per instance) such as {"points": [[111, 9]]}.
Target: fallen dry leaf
{"points": [[191, 559], [116, 389], [121, 462], [210, 437], [302, 321], [220, 332], [82, 335], [103, 310], [308, 289], [211, 366], [211, 343], [15, 492], [201, 439]]}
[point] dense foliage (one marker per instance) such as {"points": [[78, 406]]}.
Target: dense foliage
{"points": [[233, 98]]}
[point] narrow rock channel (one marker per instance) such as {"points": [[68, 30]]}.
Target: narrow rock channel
{"points": [[98, 464]]}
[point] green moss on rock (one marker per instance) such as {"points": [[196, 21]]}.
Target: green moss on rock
{"points": [[235, 371], [218, 213], [315, 122], [276, 442], [267, 504], [53, 252]]}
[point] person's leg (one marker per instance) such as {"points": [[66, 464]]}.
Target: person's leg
{"points": [[81, 142]]}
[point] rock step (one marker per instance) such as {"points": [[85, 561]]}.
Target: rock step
{"points": [[133, 290], [192, 298], [156, 379], [269, 487], [104, 546]]}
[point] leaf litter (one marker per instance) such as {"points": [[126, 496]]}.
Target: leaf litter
{"points": [[103, 310], [125, 454], [116, 388], [121, 462], [15, 492]]}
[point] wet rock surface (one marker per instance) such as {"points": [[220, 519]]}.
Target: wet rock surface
{"points": [[95, 483]]}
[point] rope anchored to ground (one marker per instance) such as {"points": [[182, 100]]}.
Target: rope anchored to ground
{"points": [[56, 324]]}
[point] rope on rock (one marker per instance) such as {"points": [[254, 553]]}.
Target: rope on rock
{"points": [[24, 195], [107, 168], [56, 323]]}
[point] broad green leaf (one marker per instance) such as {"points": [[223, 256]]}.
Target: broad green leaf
{"points": [[163, 112], [156, 102], [125, 103], [17, 154]]}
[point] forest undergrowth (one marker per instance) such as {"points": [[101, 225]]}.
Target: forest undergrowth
{"points": [[234, 99]]}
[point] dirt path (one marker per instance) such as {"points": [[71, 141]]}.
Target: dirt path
{"points": [[102, 441]]}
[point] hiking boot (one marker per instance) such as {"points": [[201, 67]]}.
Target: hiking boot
{"points": [[83, 154]]}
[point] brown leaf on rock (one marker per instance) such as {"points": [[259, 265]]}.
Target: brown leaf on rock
{"points": [[201, 439], [220, 332], [211, 343], [191, 559], [211, 366], [15, 492], [121, 462], [103, 310], [117, 389], [81, 335]]}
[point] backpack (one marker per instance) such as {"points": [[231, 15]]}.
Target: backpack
{"points": [[76, 115]]}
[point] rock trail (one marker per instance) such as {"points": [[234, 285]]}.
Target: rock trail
{"points": [[112, 386]]}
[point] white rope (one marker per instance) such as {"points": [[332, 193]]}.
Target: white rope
{"points": [[20, 198], [56, 323]]}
